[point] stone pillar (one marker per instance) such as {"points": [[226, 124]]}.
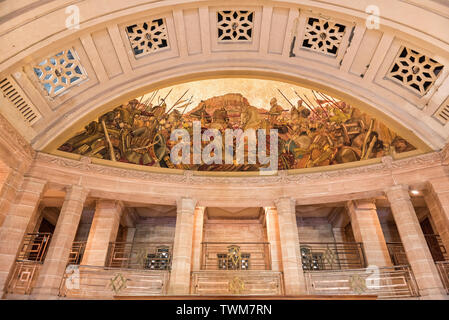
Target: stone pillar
{"points": [[16, 222], [415, 245], [367, 230], [339, 234], [130, 233], [103, 230], [437, 199], [198, 223], [182, 248], [50, 276], [272, 225], [294, 282]]}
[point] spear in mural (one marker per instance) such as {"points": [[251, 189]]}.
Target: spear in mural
{"points": [[328, 99], [163, 99], [307, 105], [178, 101], [325, 112], [150, 100], [286, 98], [187, 104]]}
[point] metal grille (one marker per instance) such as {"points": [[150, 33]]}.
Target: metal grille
{"points": [[105, 283], [77, 252], [140, 255], [235, 256], [332, 255], [434, 242], [443, 270], [34, 247], [23, 278], [17, 97]]}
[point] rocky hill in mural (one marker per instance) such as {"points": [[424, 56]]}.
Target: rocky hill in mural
{"points": [[326, 133]]}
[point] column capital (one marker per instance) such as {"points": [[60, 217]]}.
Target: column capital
{"points": [[109, 204], [285, 202], [398, 192], [186, 203], [76, 193], [364, 204], [32, 184]]}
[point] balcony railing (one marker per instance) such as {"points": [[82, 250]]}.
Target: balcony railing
{"points": [[386, 282], [332, 255], [28, 263], [34, 247], [140, 255], [90, 282], [443, 270], [397, 253], [77, 252], [436, 247], [23, 277], [235, 256]]}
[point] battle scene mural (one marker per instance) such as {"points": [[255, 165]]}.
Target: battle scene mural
{"points": [[314, 129]]}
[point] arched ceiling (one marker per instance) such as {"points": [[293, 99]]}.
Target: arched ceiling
{"points": [[376, 70]]}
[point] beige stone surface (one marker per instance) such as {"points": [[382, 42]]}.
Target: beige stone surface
{"points": [[15, 225], [179, 283], [415, 245], [291, 259], [367, 230], [57, 257], [103, 230]]}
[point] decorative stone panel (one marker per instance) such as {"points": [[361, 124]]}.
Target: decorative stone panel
{"points": [[148, 37], [60, 72], [414, 70], [235, 25], [323, 36]]}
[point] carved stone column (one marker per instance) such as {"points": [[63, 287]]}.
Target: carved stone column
{"points": [[50, 276], [272, 225], [294, 282], [103, 230], [437, 199], [182, 248], [16, 222], [198, 223], [415, 245], [367, 230]]}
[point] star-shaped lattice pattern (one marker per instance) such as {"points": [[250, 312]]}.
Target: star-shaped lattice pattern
{"points": [[59, 72], [357, 284], [235, 25], [323, 36], [118, 283], [148, 37], [236, 285], [329, 256], [415, 70]]}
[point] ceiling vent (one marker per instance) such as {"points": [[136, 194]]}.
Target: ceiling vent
{"points": [[19, 100]]}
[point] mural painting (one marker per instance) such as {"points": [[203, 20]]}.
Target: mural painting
{"points": [[313, 129]]}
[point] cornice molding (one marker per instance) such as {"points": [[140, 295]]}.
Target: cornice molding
{"points": [[388, 166]]}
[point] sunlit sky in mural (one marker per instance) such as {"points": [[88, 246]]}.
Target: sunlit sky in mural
{"points": [[258, 92]]}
